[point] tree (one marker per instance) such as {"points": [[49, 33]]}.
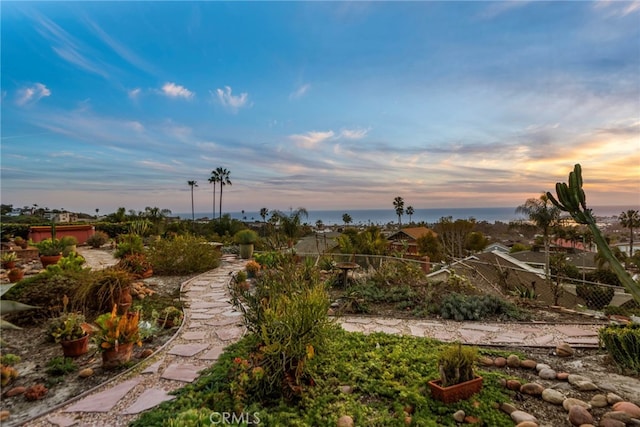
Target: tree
{"points": [[346, 218], [223, 179], [263, 213], [630, 219], [429, 245], [192, 184], [453, 235], [213, 180], [572, 199], [545, 216], [398, 204], [290, 224], [410, 212]]}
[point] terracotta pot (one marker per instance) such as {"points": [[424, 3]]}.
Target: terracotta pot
{"points": [[455, 392], [8, 265], [147, 273], [113, 358], [75, 348], [49, 259], [15, 275], [246, 251]]}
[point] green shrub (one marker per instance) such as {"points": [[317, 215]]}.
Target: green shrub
{"points": [[596, 297], [476, 307], [102, 290], [97, 239], [271, 259], [622, 342], [59, 366], [245, 237], [182, 255], [288, 313], [129, 244]]}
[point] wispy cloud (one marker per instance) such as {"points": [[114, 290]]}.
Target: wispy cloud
{"points": [[354, 133], [311, 139], [134, 93], [498, 8], [300, 91], [618, 8], [70, 48], [234, 103], [173, 90], [32, 94]]}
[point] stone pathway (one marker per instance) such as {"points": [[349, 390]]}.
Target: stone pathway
{"points": [[210, 324]]}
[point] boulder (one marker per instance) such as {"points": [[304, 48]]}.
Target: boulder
{"points": [[521, 416], [629, 408], [613, 398], [547, 374], [459, 416], [514, 385], [527, 424], [564, 350], [500, 362], [513, 361], [572, 401], [345, 421], [598, 401], [541, 366], [532, 389], [485, 361], [618, 416], [507, 408], [553, 396], [562, 376], [610, 422], [15, 391], [528, 364]]}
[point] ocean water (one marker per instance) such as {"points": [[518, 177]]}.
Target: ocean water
{"points": [[385, 216]]}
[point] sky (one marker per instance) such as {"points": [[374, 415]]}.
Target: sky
{"points": [[321, 105]]}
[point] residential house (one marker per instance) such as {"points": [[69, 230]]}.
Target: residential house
{"points": [[406, 239]]}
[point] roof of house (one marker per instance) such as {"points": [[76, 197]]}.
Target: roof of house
{"points": [[412, 233]]}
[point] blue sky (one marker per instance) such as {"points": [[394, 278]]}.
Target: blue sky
{"points": [[318, 105]]}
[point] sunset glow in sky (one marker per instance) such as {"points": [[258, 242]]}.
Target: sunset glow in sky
{"points": [[319, 105]]}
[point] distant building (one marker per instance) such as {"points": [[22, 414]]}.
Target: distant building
{"points": [[406, 239]]}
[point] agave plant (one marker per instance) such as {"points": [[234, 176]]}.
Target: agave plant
{"points": [[7, 307], [572, 199]]}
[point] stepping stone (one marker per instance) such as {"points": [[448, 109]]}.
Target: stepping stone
{"points": [[62, 421], [203, 304], [469, 336], [152, 369], [187, 350], [388, 322], [194, 325], [582, 341], [229, 333], [443, 336], [181, 372], [223, 322], [350, 327], [417, 331], [105, 400], [202, 316], [212, 354], [358, 320], [232, 313], [194, 336], [147, 400], [485, 328], [506, 340], [572, 331], [385, 330], [545, 339]]}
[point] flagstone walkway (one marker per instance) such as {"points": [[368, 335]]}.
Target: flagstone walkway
{"points": [[210, 324]]}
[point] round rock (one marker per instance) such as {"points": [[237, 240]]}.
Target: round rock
{"points": [[573, 378], [485, 361], [598, 401], [500, 362], [15, 391], [541, 366], [547, 374], [513, 361], [553, 396], [564, 350], [610, 422], [345, 421], [585, 386], [613, 398], [459, 416], [507, 408], [85, 373], [579, 416], [527, 424], [532, 389], [629, 408], [521, 416], [528, 364], [562, 376], [570, 402], [514, 385]]}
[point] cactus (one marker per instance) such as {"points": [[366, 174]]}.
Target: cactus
{"points": [[572, 199]]}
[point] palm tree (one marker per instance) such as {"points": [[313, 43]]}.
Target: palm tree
{"points": [[223, 179], [263, 214], [213, 179], [346, 218], [545, 216], [192, 184], [410, 212], [630, 219], [291, 223], [398, 204]]}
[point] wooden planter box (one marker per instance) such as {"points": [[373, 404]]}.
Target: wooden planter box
{"points": [[456, 392]]}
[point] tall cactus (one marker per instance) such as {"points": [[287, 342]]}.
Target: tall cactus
{"points": [[572, 199]]}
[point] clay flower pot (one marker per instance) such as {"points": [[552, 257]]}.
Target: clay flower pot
{"points": [[15, 275], [112, 358], [47, 260], [75, 348], [455, 392]]}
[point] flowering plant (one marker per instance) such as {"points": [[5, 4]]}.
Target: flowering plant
{"points": [[114, 330]]}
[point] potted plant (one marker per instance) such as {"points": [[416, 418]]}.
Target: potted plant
{"points": [[15, 275], [115, 336], [457, 378], [9, 260], [169, 317], [252, 268], [71, 331], [50, 251], [246, 238], [137, 265], [24, 244]]}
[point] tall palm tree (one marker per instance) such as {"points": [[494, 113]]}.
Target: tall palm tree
{"points": [[630, 219], [398, 204], [410, 212], [223, 179], [213, 179], [545, 216], [192, 184], [346, 218]]}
